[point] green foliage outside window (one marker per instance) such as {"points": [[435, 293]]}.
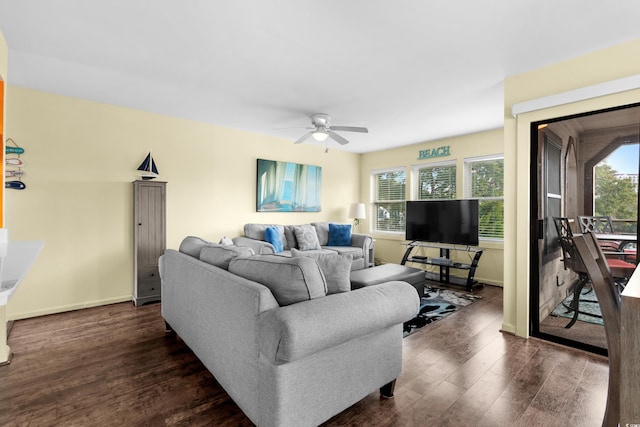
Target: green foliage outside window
{"points": [[615, 197], [491, 221], [487, 185], [437, 182], [487, 179], [389, 205]]}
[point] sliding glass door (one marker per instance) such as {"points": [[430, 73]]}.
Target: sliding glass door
{"points": [[584, 166]]}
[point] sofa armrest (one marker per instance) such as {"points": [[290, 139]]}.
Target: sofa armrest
{"points": [[259, 247], [365, 242], [292, 332]]}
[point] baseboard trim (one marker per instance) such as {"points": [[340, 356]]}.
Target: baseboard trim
{"points": [[509, 328], [489, 282], [72, 307]]}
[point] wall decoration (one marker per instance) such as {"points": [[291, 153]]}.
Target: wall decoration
{"points": [[147, 168], [288, 187], [434, 152], [14, 166]]}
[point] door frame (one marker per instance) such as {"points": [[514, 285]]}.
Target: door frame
{"points": [[537, 227]]}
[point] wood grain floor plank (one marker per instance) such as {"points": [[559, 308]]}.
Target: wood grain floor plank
{"points": [[114, 365], [587, 404], [523, 389]]}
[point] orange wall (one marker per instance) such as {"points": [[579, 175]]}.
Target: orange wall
{"points": [[1, 108], [2, 153]]}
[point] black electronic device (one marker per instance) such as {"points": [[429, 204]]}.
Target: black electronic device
{"points": [[443, 221]]}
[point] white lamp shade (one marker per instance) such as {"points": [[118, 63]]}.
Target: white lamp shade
{"points": [[357, 211]]}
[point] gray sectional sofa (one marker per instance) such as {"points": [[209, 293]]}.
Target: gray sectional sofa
{"points": [[359, 247], [287, 350]]}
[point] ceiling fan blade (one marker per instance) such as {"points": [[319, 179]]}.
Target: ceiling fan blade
{"points": [[303, 138], [337, 138], [350, 129], [294, 127]]}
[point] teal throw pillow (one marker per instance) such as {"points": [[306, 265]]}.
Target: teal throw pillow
{"points": [[339, 235], [272, 235]]}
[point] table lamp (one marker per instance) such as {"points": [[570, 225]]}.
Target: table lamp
{"points": [[357, 212]]}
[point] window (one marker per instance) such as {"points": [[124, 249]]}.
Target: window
{"points": [[389, 200], [436, 181], [484, 180]]}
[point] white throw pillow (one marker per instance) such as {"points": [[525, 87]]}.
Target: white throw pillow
{"points": [[307, 237], [226, 241]]}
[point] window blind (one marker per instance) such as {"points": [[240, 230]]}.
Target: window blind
{"points": [[436, 182], [484, 180], [389, 202]]}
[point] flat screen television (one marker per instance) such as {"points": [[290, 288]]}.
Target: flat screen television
{"points": [[443, 221]]}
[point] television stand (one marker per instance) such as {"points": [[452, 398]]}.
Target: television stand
{"points": [[445, 263]]}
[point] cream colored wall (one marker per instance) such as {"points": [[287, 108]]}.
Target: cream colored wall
{"points": [[598, 67], [391, 247], [4, 63], [4, 59], [80, 161]]}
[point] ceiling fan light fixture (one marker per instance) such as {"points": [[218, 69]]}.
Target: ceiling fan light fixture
{"points": [[320, 135], [322, 130]]}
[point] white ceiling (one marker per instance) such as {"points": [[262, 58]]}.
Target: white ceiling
{"points": [[410, 70]]}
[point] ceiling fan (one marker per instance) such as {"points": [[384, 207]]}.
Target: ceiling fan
{"points": [[322, 130]]}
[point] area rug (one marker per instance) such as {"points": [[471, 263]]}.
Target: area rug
{"points": [[437, 304], [589, 309]]}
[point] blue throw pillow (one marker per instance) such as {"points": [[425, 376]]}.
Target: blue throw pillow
{"points": [[339, 235], [272, 235]]}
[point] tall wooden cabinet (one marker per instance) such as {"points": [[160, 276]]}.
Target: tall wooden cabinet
{"points": [[149, 238]]}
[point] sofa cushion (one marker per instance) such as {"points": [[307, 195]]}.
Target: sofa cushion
{"points": [[319, 251], [336, 269], [192, 246], [290, 279], [290, 237], [357, 264], [306, 237], [339, 235], [272, 235], [256, 231], [322, 230], [356, 253], [221, 255]]}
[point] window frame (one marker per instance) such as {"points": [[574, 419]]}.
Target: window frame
{"points": [[415, 177], [467, 182], [374, 200]]}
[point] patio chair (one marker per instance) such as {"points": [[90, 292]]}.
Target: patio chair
{"points": [[596, 224], [599, 225], [621, 270], [609, 299], [571, 262], [611, 248]]}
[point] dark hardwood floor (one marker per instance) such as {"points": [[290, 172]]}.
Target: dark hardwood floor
{"points": [[114, 365]]}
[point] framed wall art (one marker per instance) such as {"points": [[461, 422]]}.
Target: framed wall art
{"points": [[288, 187]]}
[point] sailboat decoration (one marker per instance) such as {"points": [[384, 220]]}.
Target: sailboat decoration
{"points": [[147, 168]]}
